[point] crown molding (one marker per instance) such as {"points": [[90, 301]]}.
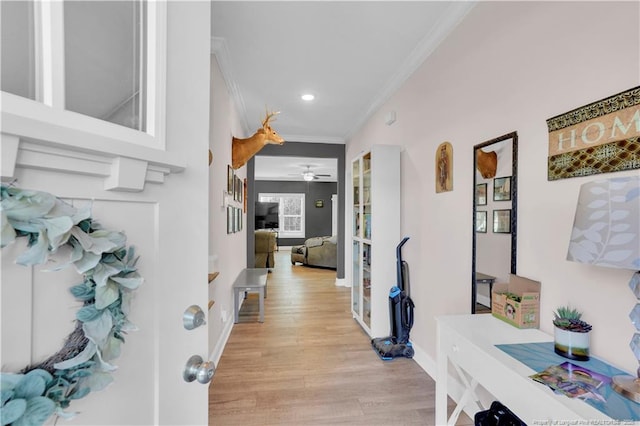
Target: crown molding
{"points": [[313, 139], [457, 10], [221, 51]]}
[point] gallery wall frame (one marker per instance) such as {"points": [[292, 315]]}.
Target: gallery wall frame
{"points": [[502, 221], [481, 194], [230, 177], [502, 189], [481, 221]]}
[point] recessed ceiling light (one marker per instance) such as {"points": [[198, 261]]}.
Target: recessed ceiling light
{"points": [[307, 97]]}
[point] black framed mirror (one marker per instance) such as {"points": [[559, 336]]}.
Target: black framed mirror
{"points": [[495, 208]]}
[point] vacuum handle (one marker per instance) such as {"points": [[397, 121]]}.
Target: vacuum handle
{"points": [[407, 313]]}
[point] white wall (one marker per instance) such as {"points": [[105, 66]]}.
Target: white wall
{"points": [[509, 66], [229, 249]]}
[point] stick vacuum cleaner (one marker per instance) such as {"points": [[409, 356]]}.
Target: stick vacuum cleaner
{"points": [[401, 306]]}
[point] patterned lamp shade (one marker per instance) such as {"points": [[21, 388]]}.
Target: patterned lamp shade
{"points": [[606, 232], [606, 229]]}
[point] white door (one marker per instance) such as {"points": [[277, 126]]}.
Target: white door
{"points": [[167, 222]]}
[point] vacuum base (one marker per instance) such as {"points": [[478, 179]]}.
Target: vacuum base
{"points": [[388, 348]]}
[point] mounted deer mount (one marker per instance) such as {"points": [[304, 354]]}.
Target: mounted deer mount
{"points": [[243, 149], [486, 163]]}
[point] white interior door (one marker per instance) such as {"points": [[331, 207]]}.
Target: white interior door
{"points": [[167, 222]]}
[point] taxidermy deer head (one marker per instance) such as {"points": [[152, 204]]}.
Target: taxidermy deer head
{"points": [[243, 149], [487, 163]]}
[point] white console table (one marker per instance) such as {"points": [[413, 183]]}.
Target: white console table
{"points": [[468, 343]]}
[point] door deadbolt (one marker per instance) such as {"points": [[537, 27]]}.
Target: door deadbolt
{"points": [[193, 317], [197, 369]]}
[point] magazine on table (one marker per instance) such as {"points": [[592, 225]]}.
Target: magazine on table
{"points": [[573, 381]]}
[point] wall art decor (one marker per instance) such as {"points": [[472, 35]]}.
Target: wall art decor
{"points": [[109, 280], [502, 189], [242, 150], [229, 220], [481, 221], [319, 204], [244, 195], [481, 194], [601, 137], [502, 221], [444, 167], [230, 180]]}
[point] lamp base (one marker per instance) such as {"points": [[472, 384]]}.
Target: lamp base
{"points": [[627, 386]]}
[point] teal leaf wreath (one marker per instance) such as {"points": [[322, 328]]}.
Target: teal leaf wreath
{"points": [[109, 278]]}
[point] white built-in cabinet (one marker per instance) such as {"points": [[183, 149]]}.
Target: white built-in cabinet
{"points": [[375, 233]]}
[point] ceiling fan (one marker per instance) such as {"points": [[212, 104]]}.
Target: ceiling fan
{"points": [[309, 175]]}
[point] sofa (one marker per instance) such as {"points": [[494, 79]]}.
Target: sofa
{"points": [[317, 251], [265, 242]]}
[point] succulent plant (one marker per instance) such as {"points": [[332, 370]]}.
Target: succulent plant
{"points": [[569, 319]]}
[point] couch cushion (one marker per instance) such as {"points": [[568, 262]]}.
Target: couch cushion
{"points": [[314, 242]]}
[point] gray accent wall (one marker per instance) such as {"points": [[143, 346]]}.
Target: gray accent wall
{"points": [[317, 220], [297, 149]]}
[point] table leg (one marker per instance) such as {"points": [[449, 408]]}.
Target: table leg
{"points": [[236, 296], [261, 294], [441, 384]]}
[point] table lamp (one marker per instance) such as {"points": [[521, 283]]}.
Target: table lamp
{"points": [[606, 232]]}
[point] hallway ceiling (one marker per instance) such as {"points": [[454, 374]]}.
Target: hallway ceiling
{"points": [[351, 55]]}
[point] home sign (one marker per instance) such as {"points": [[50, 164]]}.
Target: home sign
{"points": [[601, 137]]}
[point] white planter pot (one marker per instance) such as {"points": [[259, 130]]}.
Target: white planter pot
{"points": [[571, 344]]}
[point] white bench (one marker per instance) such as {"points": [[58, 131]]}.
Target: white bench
{"points": [[250, 280]]}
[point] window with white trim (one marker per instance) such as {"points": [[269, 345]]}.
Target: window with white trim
{"points": [[96, 67], [290, 213]]}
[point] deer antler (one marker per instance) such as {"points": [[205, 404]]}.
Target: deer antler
{"points": [[268, 117]]}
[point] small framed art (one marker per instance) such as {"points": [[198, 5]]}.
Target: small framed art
{"points": [[502, 221], [481, 221], [481, 194], [502, 189], [230, 180]]}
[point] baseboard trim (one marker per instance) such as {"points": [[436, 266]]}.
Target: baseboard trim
{"points": [[216, 354]]}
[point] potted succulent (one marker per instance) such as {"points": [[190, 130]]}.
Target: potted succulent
{"points": [[571, 334]]}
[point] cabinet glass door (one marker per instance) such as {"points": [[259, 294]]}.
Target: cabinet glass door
{"points": [[355, 288], [366, 284], [366, 196], [356, 198]]}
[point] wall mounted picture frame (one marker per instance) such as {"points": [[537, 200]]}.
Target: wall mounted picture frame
{"points": [[444, 167], [244, 195], [229, 220], [230, 176], [481, 221], [502, 189], [319, 204], [502, 221], [596, 138], [481, 194]]}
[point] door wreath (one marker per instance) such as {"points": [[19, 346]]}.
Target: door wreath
{"points": [[57, 230]]}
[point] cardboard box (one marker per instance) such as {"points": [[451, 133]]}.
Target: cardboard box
{"points": [[522, 313]]}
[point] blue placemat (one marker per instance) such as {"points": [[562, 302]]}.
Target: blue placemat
{"points": [[539, 356]]}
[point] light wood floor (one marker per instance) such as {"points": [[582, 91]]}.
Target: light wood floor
{"points": [[310, 363]]}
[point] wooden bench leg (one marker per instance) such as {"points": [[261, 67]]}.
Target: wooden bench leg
{"points": [[236, 296], [261, 294]]}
